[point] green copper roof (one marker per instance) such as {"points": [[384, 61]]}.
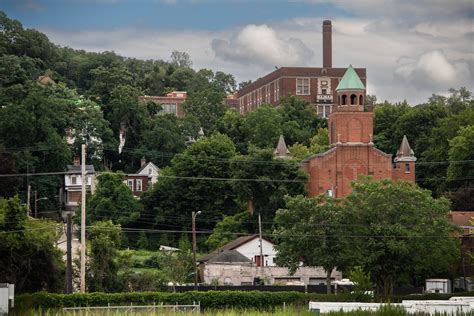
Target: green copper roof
{"points": [[350, 81]]}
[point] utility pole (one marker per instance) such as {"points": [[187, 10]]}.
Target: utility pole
{"points": [[194, 248], [28, 198], [260, 237], [36, 204], [68, 217], [83, 219]]}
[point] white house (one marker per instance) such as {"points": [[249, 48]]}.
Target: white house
{"points": [[238, 263], [249, 246], [73, 183], [149, 169]]}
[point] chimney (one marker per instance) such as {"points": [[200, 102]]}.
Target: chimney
{"points": [[142, 162], [77, 160], [327, 44]]}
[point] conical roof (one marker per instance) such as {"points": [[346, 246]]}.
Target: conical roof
{"points": [[350, 81], [405, 153], [281, 151]]}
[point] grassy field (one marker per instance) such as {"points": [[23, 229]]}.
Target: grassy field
{"points": [[388, 311]]}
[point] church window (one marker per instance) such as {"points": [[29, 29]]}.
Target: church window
{"points": [[324, 91], [353, 99], [344, 99], [302, 86], [407, 168], [361, 100]]}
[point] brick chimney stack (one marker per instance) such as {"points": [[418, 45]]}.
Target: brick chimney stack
{"points": [[77, 160], [142, 162], [327, 44]]}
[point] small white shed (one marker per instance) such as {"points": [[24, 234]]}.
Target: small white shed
{"points": [[438, 286]]}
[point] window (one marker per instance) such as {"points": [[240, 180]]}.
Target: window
{"points": [[149, 170], [73, 180], [407, 168], [276, 90], [130, 184], [168, 108], [139, 185], [302, 86], [324, 91]]}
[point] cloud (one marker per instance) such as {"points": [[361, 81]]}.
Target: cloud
{"points": [[411, 49], [433, 70], [261, 45]]}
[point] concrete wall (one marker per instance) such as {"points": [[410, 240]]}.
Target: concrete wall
{"points": [[241, 274]]}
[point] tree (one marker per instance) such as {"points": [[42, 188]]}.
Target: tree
{"points": [[113, 200], [225, 229], [104, 239], [312, 231], [27, 250], [265, 180], [393, 221], [262, 127], [194, 182], [181, 59], [299, 120], [207, 106]]}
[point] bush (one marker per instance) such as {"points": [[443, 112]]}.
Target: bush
{"points": [[209, 300]]}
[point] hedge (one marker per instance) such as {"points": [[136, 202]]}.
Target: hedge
{"points": [[210, 299]]}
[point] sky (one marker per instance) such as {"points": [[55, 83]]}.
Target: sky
{"points": [[411, 48]]}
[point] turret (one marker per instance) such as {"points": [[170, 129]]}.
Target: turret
{"points": [[404, 162], [350, 92], [281, 151]]}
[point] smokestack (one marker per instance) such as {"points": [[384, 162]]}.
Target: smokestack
{"points": [[327, 44]]}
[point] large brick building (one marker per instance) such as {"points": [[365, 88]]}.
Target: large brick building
{"points": [[315, 85], [352, 151]]}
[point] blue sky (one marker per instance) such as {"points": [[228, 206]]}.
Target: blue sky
{"points": [[411, 48], [208, 15]]}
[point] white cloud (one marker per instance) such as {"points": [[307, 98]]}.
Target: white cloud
{"points": [[411, 49], [434, 70], [261, 45]]}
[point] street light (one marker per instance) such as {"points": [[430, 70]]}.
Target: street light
{"points": [[194, 249], [36, 203]]}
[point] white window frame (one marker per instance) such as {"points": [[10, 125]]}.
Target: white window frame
{"points": [[130, 184], [73, 180], [139, 185], [303, 82]]}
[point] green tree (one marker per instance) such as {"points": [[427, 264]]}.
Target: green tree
{"points": [[27, 250], [113, 200], [461, 155], [104, 239], [263, 126], [395, 220], [312, 231], [266, 180], [299, 120], [225, 229], [207, 106]]}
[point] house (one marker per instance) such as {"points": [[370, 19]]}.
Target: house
{"points": [[73, 183], [249, 246], [238, 263], [315, 85], [171, 103], [352, 151], [142, 180]]}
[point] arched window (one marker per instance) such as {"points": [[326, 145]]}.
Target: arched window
{"points": [[344, 99], [361, 100], [353, 99]]}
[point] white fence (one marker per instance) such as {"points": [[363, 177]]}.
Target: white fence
{"points": [[155, 308]]}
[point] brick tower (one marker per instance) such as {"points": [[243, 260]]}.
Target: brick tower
{"points": [[352, 150]]}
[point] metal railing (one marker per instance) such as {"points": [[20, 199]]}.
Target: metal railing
{"points": [[155, 308]]}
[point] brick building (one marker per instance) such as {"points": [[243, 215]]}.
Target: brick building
{"points": [[315, 85], [171, 103], [352, 151]]}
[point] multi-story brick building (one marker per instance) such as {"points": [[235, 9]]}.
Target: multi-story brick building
{"points": [[352, 151], [315, 85], [171, 103]]}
